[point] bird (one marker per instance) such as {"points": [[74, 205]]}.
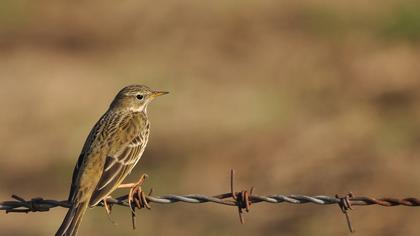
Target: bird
{"points": [[112, 149]]}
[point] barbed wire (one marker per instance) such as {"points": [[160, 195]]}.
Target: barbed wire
{"points": [[240, 199]]}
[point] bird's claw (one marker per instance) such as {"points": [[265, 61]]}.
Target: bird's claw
{"points": [[108, 208], [136, 194]]}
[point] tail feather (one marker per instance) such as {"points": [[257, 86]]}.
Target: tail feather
{"points": [[72, 221]]}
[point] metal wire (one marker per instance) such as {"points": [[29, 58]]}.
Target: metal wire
{"points": [[40, 204], [242, 200]]}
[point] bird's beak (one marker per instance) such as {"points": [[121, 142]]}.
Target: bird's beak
{"points": [[158, 93]]}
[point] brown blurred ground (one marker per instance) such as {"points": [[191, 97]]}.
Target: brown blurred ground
{"points": [[310, 97]]}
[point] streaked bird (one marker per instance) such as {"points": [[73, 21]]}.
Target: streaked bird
{"points": [[112, 149]]}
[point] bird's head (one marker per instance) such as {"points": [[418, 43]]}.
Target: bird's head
{"points": [[135, 98]]}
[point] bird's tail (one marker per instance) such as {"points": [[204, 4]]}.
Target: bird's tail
{"points": [[73, 218]]}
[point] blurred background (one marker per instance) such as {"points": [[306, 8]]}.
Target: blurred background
{"points": [[300, 97]]}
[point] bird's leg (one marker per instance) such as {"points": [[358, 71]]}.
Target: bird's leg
{"points": [[143, 177], [135, 189], [106, 206]]}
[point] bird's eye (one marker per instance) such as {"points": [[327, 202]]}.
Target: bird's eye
{"points": [[139, 97]]}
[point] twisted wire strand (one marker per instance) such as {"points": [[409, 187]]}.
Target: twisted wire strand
{"points": [[242, 200], [40, 204]]}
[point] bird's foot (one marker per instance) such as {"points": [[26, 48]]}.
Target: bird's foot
{"points": [[108, 208], [136, 194]]}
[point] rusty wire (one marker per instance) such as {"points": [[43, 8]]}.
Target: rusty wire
{"points": [[242, 200]]}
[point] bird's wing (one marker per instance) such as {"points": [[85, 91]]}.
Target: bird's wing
{"points": [[119, 165], [97, 129], [112, 135], [116, 168], [74, 178]]}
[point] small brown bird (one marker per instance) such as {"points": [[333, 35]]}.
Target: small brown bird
{"points": [[112, 149]]}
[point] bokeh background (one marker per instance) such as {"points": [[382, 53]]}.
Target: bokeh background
{"points": [[300, 97]]}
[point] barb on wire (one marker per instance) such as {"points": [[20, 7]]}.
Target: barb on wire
{"points": [[345, 206], [242, 200]]}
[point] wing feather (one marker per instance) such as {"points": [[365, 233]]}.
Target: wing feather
{"points": [[117, 141], [96, 130], [115, 170], [119, 165]]}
